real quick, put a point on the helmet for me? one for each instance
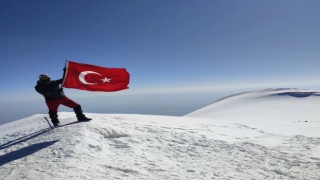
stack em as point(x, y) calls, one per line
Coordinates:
point(44, 77)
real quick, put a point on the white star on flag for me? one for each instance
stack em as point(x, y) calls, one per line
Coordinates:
point(105, 80)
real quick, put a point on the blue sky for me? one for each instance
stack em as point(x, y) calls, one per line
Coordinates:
point(184, 51)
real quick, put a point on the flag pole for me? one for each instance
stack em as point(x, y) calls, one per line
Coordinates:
point(65, 69)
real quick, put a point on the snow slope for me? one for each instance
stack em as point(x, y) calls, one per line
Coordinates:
point(118, 146)
point(282, 111)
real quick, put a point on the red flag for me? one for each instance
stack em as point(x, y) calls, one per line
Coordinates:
point(95, 78)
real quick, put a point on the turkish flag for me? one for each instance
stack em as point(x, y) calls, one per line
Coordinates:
point(95, 78)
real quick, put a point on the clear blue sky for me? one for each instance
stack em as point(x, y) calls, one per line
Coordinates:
point(180, 46)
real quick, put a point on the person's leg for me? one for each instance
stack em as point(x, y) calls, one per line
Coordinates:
point(69, 103)
point(77, 109)
point(53, 111)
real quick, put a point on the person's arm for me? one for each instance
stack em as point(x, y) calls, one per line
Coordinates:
point(38, 89)
point(59, 81)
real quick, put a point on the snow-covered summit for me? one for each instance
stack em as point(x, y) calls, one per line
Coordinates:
point(266, 94)
point(288, 111)
point(119, 146)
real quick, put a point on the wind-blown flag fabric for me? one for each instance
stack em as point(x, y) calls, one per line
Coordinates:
point(95, 78)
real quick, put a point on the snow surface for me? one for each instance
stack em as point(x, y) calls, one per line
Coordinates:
point(253, 135)
point(282, 111)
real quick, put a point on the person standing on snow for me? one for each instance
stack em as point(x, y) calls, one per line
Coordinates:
point(54, 96)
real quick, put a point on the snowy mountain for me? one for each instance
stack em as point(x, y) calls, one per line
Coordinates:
point(283, 111)
point(253, 135)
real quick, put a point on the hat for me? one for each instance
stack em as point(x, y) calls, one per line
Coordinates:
point(44, 76)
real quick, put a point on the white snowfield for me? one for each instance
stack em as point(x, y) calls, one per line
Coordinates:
point(270, 134)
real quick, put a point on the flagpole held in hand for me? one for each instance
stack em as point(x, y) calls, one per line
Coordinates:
point(64, 72)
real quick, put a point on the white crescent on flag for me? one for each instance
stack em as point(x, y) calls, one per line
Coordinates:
point(83, 74)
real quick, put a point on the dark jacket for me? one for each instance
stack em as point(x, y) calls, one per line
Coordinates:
point(51, 90)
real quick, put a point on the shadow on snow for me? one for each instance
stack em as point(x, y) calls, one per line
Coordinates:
point(26, 151)
point(23, 139)
point(298, 94)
